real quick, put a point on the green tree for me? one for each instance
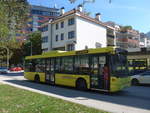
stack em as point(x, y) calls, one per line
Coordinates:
point(13, 16)
point(3, 24)
point(33, 44)
point(125, 28)
point(17, 14)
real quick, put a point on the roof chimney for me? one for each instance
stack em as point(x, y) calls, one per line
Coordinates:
point(80, 8)
point(98, 16)
point(62, 10)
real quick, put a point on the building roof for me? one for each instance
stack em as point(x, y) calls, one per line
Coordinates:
point(82, 15)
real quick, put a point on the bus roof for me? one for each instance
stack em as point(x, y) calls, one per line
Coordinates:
point(71, 53)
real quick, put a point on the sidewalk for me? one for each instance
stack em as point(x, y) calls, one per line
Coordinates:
point(77, 96)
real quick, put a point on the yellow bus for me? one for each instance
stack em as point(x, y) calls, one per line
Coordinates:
point(104, 69)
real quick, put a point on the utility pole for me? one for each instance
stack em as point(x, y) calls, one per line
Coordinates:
point(115, 38)
point(31, 48)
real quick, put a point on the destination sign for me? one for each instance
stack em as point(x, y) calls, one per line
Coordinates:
point(81, 52)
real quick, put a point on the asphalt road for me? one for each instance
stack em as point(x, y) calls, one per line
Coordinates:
point(135, 99)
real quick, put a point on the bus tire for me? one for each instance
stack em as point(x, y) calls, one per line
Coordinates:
point(37, 78)
point(81, 84)
point(135, 82)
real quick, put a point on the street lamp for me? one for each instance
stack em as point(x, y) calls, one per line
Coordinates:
point(115, 37)
point(31, 48)
point(7, 57)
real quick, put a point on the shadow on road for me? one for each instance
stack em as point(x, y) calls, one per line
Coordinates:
point(14, 74)
point(134, 96)
point(145, 85)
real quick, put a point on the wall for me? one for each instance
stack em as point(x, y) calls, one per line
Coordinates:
point(47, 33)
point(88, 33)
point(65, 30)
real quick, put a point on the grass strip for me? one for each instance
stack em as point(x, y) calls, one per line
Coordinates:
point(15, 100)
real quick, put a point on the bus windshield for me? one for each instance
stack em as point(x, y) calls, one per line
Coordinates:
point(119, 65)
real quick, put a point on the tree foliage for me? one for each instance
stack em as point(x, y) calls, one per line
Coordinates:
point(34, 41)
point(13, 16)
point(25, 49)
point(3, 23)
point(16, 12)
point(125, 28)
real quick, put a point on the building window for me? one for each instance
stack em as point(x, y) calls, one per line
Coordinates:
point(71, 34)
point(56, 38)
point(44, 29)
point(41, 18)
point(62, 36)
point(45, 39)
point(31, 22)
point(62, 24)
point(71, 21)
point(57, 26)
point(70, 47)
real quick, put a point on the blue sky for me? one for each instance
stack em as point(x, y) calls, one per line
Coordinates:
point(124, 12)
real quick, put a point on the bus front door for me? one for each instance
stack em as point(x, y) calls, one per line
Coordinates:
point(49, 73)
point(97, 78)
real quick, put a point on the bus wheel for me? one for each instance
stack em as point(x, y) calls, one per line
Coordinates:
point(37, 78)
point(135, 82)
point(81, 84)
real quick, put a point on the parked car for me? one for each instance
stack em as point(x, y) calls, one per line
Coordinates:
point(15, 69)
point(142, 78)
point(3, 70)
point(137, 71)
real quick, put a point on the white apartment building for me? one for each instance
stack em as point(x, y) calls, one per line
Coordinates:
point(74, 30)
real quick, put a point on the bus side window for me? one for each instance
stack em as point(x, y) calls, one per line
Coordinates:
point(29, 65)
point(82, 64)
point(52, 64)
point(67, 64)
point(102, 62)
point(57, 65)
point(48, 64)
point(40, 65)
point(32, 66)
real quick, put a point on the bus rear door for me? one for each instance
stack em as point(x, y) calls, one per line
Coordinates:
point(97, 75)
point(49, 73)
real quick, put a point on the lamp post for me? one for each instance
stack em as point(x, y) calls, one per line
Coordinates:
point(31, 48)
point(7, 57)
point(115, 38)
